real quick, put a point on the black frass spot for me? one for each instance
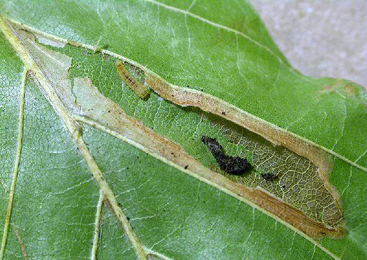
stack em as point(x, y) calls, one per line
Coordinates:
point(232, 165)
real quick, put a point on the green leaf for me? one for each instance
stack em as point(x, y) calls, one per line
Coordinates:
point(91, 170)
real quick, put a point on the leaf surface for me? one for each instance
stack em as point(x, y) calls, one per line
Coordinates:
point(91, 170)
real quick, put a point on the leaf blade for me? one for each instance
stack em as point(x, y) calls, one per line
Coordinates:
point(335, 95)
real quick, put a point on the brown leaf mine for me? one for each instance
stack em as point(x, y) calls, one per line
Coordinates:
point(293, 187)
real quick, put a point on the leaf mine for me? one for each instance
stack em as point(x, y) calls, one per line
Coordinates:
point(299, 196)
point(117, 123)
point(103, 114)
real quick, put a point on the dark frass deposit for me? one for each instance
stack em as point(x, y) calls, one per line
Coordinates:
point(229, 164)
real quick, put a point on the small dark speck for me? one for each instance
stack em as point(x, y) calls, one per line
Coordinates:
point(223, 113)
point(269, 176)
point(128, 218)
point(186, 167)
